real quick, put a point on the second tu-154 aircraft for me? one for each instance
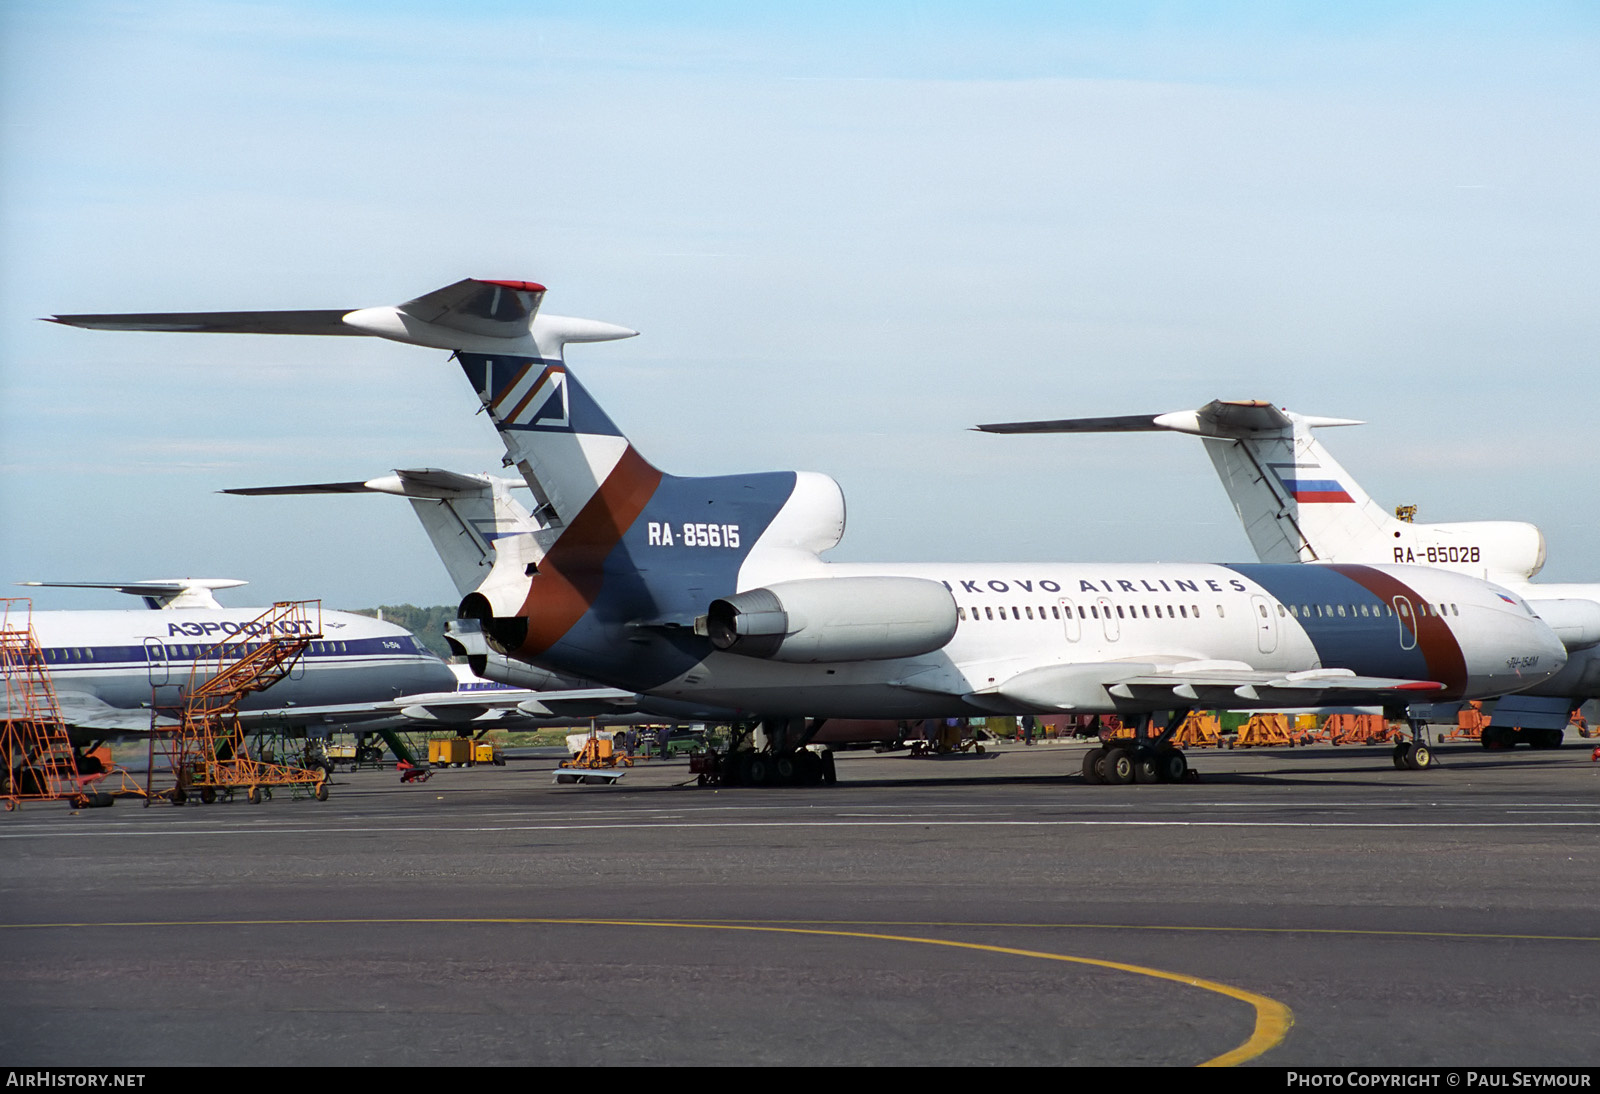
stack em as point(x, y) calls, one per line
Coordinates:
point(1298, 504)
point(713, 589)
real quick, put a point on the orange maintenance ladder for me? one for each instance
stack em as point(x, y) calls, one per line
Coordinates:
point(39, 764)
point(207, 752)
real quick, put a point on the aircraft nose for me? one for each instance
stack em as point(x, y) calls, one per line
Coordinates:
point(1543, 654)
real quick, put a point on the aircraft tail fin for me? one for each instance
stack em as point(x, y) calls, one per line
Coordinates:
point(1297, 504)
point(467, 517)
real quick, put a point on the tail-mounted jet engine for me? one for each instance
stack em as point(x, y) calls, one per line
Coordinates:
point(834, 619)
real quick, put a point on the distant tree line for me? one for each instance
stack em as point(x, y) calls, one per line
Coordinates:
point(426, 623)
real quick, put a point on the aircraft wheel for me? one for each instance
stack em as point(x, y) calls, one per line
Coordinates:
point(755, 769)
point(809, 765)
point(1495, 737)
point(1118, 766)
point(1146, 766)
point(1419, 757)
point(321, 793)
point(1091, 764)
point(253, 795)
point(830, 774)
point(1172, 765)
point(783, 770)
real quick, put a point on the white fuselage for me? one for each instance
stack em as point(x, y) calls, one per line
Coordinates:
point(109, 667)
point(1016, 618)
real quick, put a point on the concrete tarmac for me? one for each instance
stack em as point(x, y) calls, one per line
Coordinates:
point(1308, 906)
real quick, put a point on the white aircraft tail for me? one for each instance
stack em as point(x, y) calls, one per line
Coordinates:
point(1297, 504)
point(471, 519)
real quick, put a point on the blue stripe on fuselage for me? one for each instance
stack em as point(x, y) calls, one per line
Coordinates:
point(653, 576)
point(1369, 645)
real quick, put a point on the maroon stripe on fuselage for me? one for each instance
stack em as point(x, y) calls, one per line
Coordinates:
point(1441, 651)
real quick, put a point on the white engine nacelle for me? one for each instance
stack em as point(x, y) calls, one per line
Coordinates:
point(834, 619)
point(1576, 622)
point(1495, 547)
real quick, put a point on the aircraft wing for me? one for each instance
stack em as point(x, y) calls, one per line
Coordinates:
point(83, 711)
point(1202, 683)
point(467, 706)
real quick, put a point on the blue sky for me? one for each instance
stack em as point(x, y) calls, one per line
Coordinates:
point(846, 236)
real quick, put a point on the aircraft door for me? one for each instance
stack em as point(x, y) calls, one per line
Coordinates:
point(1108, 619)
point(1266, 624)
point(1070, 620)
point(1407, 619)
point(155, 655)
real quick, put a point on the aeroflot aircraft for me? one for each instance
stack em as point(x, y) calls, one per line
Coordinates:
point(1298, 504)
point(713, 589)
point(107, 665)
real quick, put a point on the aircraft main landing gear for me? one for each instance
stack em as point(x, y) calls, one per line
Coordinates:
point(1120, 762)
point(1141, 759)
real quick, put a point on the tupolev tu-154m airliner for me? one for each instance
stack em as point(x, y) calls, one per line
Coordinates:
point(714, 590)
point(1298, 504)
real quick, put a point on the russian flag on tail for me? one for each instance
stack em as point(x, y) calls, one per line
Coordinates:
point(1316, 490)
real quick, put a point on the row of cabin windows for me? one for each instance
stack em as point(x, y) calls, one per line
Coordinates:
point(1182, 611)
point(68, 654)
point(1361, 611)
point(1299, 611)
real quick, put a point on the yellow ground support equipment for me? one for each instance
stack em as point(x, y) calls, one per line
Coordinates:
point(1356, 729)
point(39, 764)
point(449, 751)
point(948, 740)
point(1201, 729)
point(1471, 721)
point(1269, 729)
point(596, 762)
point(208, 753)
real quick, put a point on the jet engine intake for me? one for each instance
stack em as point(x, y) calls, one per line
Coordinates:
point(834, 619)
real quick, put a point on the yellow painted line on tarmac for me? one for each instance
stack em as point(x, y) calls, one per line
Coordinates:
point(1272, 1022)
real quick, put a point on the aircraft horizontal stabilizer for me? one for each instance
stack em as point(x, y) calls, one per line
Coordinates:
point(426, 482)
point(1218, 418)
point(218, 322)
point(472, 314)
point(168, 592)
